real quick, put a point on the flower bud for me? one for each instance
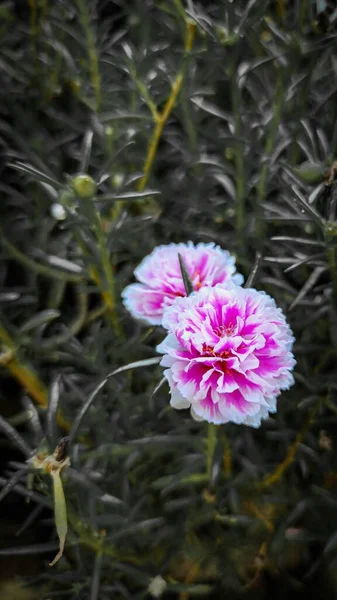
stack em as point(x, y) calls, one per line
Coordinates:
point(84, 186)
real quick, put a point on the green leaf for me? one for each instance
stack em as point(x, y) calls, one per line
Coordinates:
point(185, 275)
point(42, 318)
point(36, 174)
point(60, 512)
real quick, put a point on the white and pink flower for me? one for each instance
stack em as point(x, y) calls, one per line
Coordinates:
point(160, 279)
point(228, 353)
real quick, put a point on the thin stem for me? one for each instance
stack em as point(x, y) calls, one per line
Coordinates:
point(26, 376)
point(162, 117)
point(239, 160)
point(269, 145)
point(276, 475)
point(107, 290)
point(107, 287)
point(210, 449)
point(145, 93)
point(92, 51)
point(331, 256)
point(179, 6)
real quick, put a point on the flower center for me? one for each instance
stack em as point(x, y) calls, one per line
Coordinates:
point(209, 351)
point(223, 330)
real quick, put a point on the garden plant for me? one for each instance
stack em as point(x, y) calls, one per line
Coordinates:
point(168, 299)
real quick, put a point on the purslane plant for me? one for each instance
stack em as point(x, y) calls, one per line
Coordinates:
point(226, 111)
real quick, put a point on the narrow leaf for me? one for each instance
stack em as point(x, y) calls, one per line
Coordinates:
point(26, 493)
point(309, 284)
point(129, 195)
point(60, 263)
point(185, 275)
point(60, 511)
point(36, 174)
point(13, 435)
point(158, 386)
point(42, 318)
point(12, 483)
point(28, 550)
point(308, 259)
point(86, 150)
point(252, 277)
point(210, 108)
point(296, 240)
point(308, 208)
point(96, 576)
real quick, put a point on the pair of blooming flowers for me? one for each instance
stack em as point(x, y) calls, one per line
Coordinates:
point(228, 350)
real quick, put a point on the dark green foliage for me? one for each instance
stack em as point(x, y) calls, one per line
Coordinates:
point(245, 157)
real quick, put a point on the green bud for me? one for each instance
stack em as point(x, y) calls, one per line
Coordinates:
point(109, 131)
point(229, 153)
point(308, 228)
point(117, 180)
point(84, 186)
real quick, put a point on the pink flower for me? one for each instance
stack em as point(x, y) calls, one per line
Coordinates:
point(228, 354)
point(161, 281)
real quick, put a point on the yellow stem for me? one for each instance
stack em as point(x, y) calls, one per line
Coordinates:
point(22, 373)
point(259, 514)
point(272, 478)
point(108, 299)
point(27, 377)
point(29, 381)
point(160, 119)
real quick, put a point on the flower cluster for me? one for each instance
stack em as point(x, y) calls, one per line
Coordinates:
point(228, 350)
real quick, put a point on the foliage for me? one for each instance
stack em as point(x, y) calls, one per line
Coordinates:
point(131, 124)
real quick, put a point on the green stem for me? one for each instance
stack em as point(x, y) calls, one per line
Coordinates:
point(239, 160)
point(331, 254)
point(281, 469)
point(210, 448)
point(92, 51)
point(332, 261)
point(161, 119)
point(269, 145)
point(109, 283)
